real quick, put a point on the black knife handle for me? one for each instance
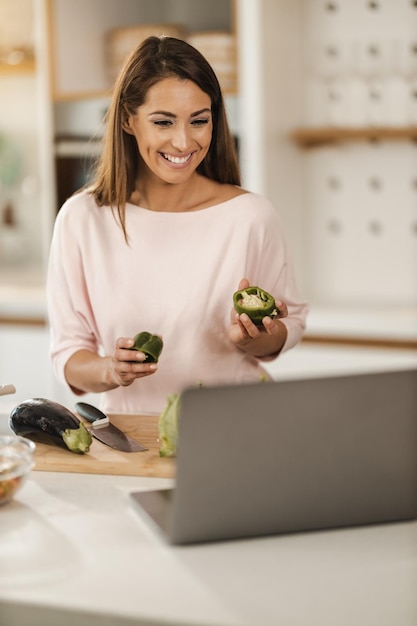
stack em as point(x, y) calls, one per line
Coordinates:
point(90, 412)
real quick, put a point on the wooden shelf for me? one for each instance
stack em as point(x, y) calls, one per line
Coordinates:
point(27, 67)
point(315, 136)
point(360, 342)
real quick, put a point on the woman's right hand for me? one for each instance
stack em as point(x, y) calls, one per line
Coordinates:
point(127, 365)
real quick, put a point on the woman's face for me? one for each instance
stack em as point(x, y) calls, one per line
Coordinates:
point(173, 129)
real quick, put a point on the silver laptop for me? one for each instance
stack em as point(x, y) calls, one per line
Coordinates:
point(290, 456)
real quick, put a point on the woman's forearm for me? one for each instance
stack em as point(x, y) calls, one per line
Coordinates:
point(88, 372)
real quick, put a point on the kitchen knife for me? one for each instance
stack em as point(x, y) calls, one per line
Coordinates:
point(104, 431)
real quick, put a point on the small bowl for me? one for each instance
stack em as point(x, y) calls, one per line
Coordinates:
point(16, 462)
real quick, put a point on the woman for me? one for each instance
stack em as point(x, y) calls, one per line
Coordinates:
point(159, 243)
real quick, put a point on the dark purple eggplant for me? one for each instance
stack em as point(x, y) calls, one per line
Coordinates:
point(48, 422)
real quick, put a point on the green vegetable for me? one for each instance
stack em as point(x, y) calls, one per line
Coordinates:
point(256, 303)
point(150, 345)
point(49, 422)
point(168, 426)
point(77, 439)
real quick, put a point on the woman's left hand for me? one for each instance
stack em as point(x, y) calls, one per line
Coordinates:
point(263, 341)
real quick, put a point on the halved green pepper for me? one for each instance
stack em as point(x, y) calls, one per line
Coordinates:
point(256, 303)
point(150, 345)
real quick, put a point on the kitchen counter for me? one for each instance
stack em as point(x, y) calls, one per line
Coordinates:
point(22, 305)
point(74, 550)
point(394, 324)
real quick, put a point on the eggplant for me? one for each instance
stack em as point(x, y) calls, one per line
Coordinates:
point(48, 422)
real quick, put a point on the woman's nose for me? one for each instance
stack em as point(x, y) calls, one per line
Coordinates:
point(180, 139)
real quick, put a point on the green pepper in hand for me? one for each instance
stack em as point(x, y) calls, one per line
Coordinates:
point(150, 345)
point(256, 303)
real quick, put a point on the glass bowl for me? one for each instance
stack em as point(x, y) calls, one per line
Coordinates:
point(16, 462)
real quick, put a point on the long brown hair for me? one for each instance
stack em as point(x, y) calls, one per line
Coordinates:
point(155, 59)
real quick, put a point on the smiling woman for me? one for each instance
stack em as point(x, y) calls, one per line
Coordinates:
point(167, 234)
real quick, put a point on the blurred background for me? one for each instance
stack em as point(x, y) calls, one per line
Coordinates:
point(322, 101)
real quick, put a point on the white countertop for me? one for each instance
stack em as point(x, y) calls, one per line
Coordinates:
point(21, 303)
point(75, 551)
point(74, 542)
point(311, 360)
point(369, 322)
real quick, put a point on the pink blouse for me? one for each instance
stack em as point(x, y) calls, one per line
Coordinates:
point(175, 278)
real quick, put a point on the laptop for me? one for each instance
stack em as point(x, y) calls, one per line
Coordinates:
point(289, 456)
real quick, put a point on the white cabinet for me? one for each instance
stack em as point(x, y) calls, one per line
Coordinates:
point(25, 363)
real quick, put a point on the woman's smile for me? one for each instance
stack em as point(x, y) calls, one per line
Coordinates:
point(177, 160)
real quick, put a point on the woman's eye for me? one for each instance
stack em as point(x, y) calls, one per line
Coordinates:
point(162, 123)
point(167, 123)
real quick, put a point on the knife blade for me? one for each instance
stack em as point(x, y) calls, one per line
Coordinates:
point(104, 431)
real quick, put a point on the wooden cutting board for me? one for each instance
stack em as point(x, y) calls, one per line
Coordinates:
point(102, 459)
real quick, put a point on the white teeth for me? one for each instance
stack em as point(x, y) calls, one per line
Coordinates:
point(177, 160)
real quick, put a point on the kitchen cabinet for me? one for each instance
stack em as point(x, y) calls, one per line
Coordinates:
point(25, 363)
point(23, 67)
point(349, 208)
point(16, 37)
point(78, 67)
